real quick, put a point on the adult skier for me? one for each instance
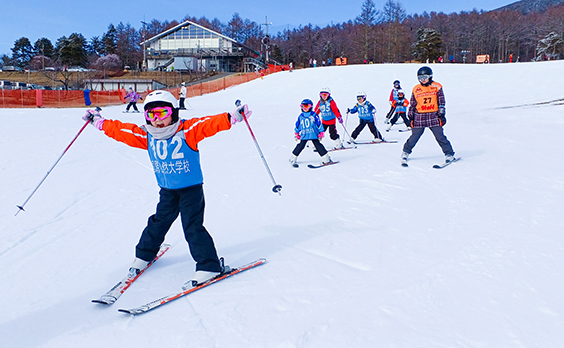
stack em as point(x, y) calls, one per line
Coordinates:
point(182, 96)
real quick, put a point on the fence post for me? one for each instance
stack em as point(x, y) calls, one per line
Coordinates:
point(39, 98)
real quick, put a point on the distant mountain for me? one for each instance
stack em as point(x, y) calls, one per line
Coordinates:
point(529, 6)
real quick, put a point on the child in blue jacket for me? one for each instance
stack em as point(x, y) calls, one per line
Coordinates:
point(400, 106)
point(309, 127)
point(366, 113)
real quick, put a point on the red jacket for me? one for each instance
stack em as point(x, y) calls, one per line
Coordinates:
point(328, 115)
point(195, 130)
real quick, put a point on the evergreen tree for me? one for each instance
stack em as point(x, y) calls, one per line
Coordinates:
point(109, 40)
point(96, 46)
point(428, 45)
point(5, 60)
point(550, 47)
point(22, 52)
point(44, 47)
point(71, 51)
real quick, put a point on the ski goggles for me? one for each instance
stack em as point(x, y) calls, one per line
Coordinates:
point(160, 113)
point(324, 94)
point(361, 98)
point(423, 77)
point(306, 107)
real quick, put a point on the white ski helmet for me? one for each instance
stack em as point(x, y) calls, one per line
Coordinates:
point(361, 94)
point(160, 96)
point(325, 90)
point(401, 91)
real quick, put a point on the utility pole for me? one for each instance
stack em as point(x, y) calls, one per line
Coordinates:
point(266, 38)
point(144, 53)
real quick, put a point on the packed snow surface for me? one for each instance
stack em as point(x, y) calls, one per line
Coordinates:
point(364, 253)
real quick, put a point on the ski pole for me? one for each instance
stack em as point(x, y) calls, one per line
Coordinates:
point(21, 207)
point(277, 187)
point(352, 141)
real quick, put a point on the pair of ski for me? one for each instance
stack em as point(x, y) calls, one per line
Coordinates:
point(314, 166)
point(362, 143)
point(435, 166)
point(400, 130)
point(115, 293)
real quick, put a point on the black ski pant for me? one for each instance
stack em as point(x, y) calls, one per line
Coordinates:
point(332, 131)
point(189, 203)
point(181, 103)
point(371, 125)
point(416, 133)
point(302, 144)
point(134, 104)
point(403, 116)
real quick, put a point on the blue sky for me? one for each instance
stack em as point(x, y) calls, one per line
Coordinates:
point(37, 18)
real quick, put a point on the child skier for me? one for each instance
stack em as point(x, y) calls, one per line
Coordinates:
point(400, 106)
point(327, 109)
point(309, 127)
point(172, 144)
point(427, 110)
point(366, 113)
point(393, 96)
point(133, 97)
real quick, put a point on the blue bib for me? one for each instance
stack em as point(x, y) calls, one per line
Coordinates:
point(175, 164)
point(325, 111)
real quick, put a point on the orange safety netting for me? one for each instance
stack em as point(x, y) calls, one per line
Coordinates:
point(63, 99)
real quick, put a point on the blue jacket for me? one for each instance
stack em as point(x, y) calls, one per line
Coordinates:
point(308, 126)
point(401, 105)
point(365, 112)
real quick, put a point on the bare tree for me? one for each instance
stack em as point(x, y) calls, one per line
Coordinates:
point(393, 16)
point(367, 20)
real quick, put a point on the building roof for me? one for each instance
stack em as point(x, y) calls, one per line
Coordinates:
point(122, 80)
point(184, 24)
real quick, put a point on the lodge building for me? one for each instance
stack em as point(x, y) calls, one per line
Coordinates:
point(190, 46)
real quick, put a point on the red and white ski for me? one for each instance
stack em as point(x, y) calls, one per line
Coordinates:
point(114, 293)
point(164, 300)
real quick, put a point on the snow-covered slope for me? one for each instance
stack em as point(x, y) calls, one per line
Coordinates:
point(361, 254)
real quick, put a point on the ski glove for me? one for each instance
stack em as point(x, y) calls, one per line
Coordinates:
point(442, 114)
point(237, 114)
point(297, 136)
point(95, 118)
point(340, 119)
point(321, 135)
point(442, 111)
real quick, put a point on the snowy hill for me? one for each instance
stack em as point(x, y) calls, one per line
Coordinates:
point(364, 253)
